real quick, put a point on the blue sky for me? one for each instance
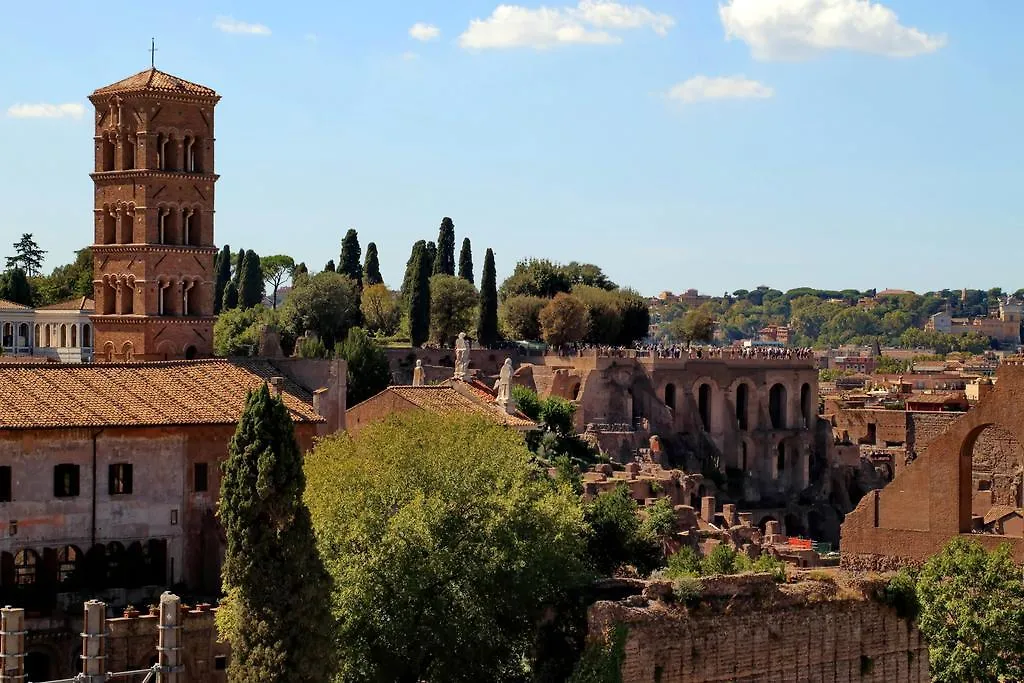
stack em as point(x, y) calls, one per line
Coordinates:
point(676, 143)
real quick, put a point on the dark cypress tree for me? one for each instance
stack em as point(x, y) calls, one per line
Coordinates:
point(330, 266)
point(487, 326)
point(371, 272)
point(431, 256)
point(238, 267)
point(280, 629)
point(230, 297)
point(466, 261)
point(410, 269)
point(419, 300)
point(223, 268)
point(368, 369)
point(14, 286)
point(351, 257)
point(444, 263)
point(251, 289)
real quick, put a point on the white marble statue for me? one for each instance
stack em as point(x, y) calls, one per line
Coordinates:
point(461, 356)
point(417, 374)
point(505, 399)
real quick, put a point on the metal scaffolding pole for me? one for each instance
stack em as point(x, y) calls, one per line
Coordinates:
point(94, 646)
point(169, 644)
point(12, 645)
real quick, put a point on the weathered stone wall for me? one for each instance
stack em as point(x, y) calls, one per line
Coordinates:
point(835, 641)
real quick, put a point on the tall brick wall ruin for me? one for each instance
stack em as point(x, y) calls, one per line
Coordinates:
point(835, 641)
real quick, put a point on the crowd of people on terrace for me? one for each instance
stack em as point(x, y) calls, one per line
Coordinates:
point(691, 352)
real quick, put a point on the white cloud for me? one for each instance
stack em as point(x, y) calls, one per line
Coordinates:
point(794, 29)
point(229, 25)
point(544, 27)
point(424, 32)
point(70, 110)
point(700, 88)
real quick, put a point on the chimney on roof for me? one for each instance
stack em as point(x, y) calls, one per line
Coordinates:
point(275, 385)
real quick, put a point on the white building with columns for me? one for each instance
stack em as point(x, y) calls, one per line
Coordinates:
point(60, 331)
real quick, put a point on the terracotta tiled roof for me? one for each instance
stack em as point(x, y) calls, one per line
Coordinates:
point(6, 305)
point(997, 512)
point(445, 400)
point(82, 303)
point(138, 394)
point(152, 79)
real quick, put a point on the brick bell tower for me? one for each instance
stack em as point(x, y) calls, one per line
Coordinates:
point(153, 252)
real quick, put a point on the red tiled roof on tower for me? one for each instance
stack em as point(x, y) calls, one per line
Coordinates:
point(152, 79)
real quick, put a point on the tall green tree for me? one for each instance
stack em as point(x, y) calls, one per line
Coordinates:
point(452, 304)
point(223, 277)
point(236, 263)
point(230, 297)
point(972, 614)
point(70, 281)
point(329, 267)
point(368, 370)
point(27, 256)
point(466, 261)
point(281, 629)
point(14, 286)
point(250, 285)
point(351, 257)
point(325, 304)
point(431, 255)
point(410, 270)
point(471, 564)
point(487, 325)
point(371, 270)
point(419, 300)
point(564, 320)
point(277, 268)
point(444, 264)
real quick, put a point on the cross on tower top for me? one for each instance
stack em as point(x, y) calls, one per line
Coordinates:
point(152, 53)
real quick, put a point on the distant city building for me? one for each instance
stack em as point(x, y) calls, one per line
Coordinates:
point(1003, 326)
point(60, 332)
point(775, 333)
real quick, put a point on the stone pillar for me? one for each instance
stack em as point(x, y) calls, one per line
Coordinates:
point(746, 518)
point(771, 528)
point(94, 646)
point(12, 645)
point(169, 644)
point(707, 509)
point(729, 512)
point(632, 469)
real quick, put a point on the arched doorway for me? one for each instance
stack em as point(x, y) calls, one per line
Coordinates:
point(780, 460)
point(794, 525)
point(742, 406)
point(777, 406)
point(670, 395)
point(992, 461)
point(805, 405)
point(704, 406)
point(38, 666)
point(190, 352)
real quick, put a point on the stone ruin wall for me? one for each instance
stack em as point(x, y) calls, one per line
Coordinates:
point(836, 641)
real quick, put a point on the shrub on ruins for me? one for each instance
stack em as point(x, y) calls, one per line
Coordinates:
point(520, 317)
point(237, 331)
point(618, 541)
point(276, 613)
point(556, 439)
point(326, 304)
point(446, 545)
point(563, 320)
point(368, 369)
point(972, 613)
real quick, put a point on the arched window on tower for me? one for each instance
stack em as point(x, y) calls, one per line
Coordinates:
point(106, 154)
point(189, 146)
point(127, 298)
point(109, 297)
point(129, 351)
point(189, 298)
point(164, 306)
point(129, 152)
point(109, 219)
point(188, 226)
point(161, 151)
point(195, 228)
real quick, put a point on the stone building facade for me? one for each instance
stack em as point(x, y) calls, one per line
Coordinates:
point(153, 249)
point(61, 331)
point(110, 473)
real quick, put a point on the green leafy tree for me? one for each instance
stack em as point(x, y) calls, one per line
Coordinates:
point(487, 323)
point(368, 369)
point(564, 320)
point(520, 317)
point(351, 257)
point(696, 326)
point(70, 281)
point(237, 331)
point(14, 286)
point(371, 270)
point(325, 304)
point(250, 285)
point(381, 310)
point(535, 277)
point(276, 271)
point(452, 304)
point(27, 256)
point(587, 274)
point(466, 261)
point(279, 629)
point(230, 300)
point(223, 277)
point(617, 537)
point(635, 317)
point(300, 273)
point(603, 320)
point(448, 517)
point(329, 267)
point(444, 264)
point(972, 614)
point(419, 299)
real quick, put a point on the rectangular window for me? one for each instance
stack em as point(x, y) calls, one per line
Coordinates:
point(5, 484)
point(119, 478)
point(65, 481)
point(201, 482)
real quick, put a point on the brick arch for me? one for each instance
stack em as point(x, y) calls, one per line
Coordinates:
point(708, 415)
point(753, 401)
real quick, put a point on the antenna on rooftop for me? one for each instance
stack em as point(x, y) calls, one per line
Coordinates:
point(152, 53)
